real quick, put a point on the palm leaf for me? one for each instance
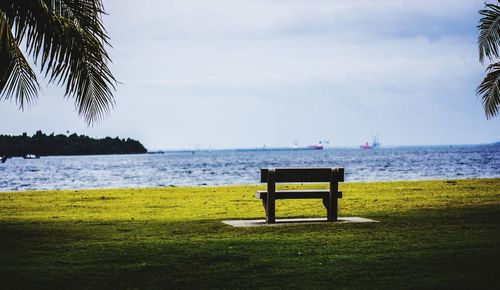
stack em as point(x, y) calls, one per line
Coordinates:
point(490, 90)
point(16, 76)
point(67, 39)
point(489, 32)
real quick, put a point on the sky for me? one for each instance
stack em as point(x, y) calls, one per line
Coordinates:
point(253, 73)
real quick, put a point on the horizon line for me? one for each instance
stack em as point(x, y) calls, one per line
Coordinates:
point(277, 148)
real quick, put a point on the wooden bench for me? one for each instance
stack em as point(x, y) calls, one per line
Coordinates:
point(301, 175)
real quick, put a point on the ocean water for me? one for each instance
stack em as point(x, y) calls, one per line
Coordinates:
point(233, 167)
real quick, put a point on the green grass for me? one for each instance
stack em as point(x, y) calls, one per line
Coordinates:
point(432, 234)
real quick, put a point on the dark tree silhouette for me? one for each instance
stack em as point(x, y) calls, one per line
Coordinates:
point(42, 144)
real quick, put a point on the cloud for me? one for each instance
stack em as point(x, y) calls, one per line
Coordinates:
point(215, 73)
point(351, 59)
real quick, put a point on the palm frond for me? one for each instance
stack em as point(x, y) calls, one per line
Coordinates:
point(489, 32)
point(17, 79)
point(68, 39)
point(490, 90)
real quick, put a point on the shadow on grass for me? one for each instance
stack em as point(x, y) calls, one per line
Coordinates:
point(455, 248)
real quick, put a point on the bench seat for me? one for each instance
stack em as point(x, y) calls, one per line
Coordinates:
point(294, 194)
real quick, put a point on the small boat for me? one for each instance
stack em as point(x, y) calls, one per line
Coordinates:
point(375, 144)
point(365, 146)
point(31, 156)
point(3, 159)
point(155, 152)
point(315, 147)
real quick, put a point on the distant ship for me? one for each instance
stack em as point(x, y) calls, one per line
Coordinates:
point(3, 159)
point(315, 147)
point(31, 156)
point(375, 144)
point(365, 146)
point(318, 146)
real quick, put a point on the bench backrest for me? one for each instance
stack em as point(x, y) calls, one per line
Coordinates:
point(304, 174)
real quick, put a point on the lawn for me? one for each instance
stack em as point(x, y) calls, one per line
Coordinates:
point(431, 234)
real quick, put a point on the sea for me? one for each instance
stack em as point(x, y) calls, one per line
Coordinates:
point(238, 167)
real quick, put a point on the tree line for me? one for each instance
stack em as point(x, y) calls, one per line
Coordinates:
point(74, 144)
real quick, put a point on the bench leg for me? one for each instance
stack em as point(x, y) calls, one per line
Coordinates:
point(331, 214)
point(270, 210)
point(331, 209)
point(271, 190)
point(332, 197)
point(270, 214)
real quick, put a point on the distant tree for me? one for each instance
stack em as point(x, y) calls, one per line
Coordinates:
point(74, 144)
point(67, 39)
point(488, 44)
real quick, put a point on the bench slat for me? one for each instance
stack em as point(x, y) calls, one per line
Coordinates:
point(302, 174)
point(292, 194)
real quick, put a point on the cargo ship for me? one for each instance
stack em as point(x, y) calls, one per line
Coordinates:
point(318, 146)
point(315, 147)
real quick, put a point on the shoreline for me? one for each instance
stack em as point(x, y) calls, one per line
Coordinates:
point(240, 185)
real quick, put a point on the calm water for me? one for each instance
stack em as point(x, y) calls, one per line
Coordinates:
point(242, 167)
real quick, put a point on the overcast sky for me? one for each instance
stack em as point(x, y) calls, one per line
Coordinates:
point(237, 73)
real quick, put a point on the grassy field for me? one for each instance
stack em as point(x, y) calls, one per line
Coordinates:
point(432, 234)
